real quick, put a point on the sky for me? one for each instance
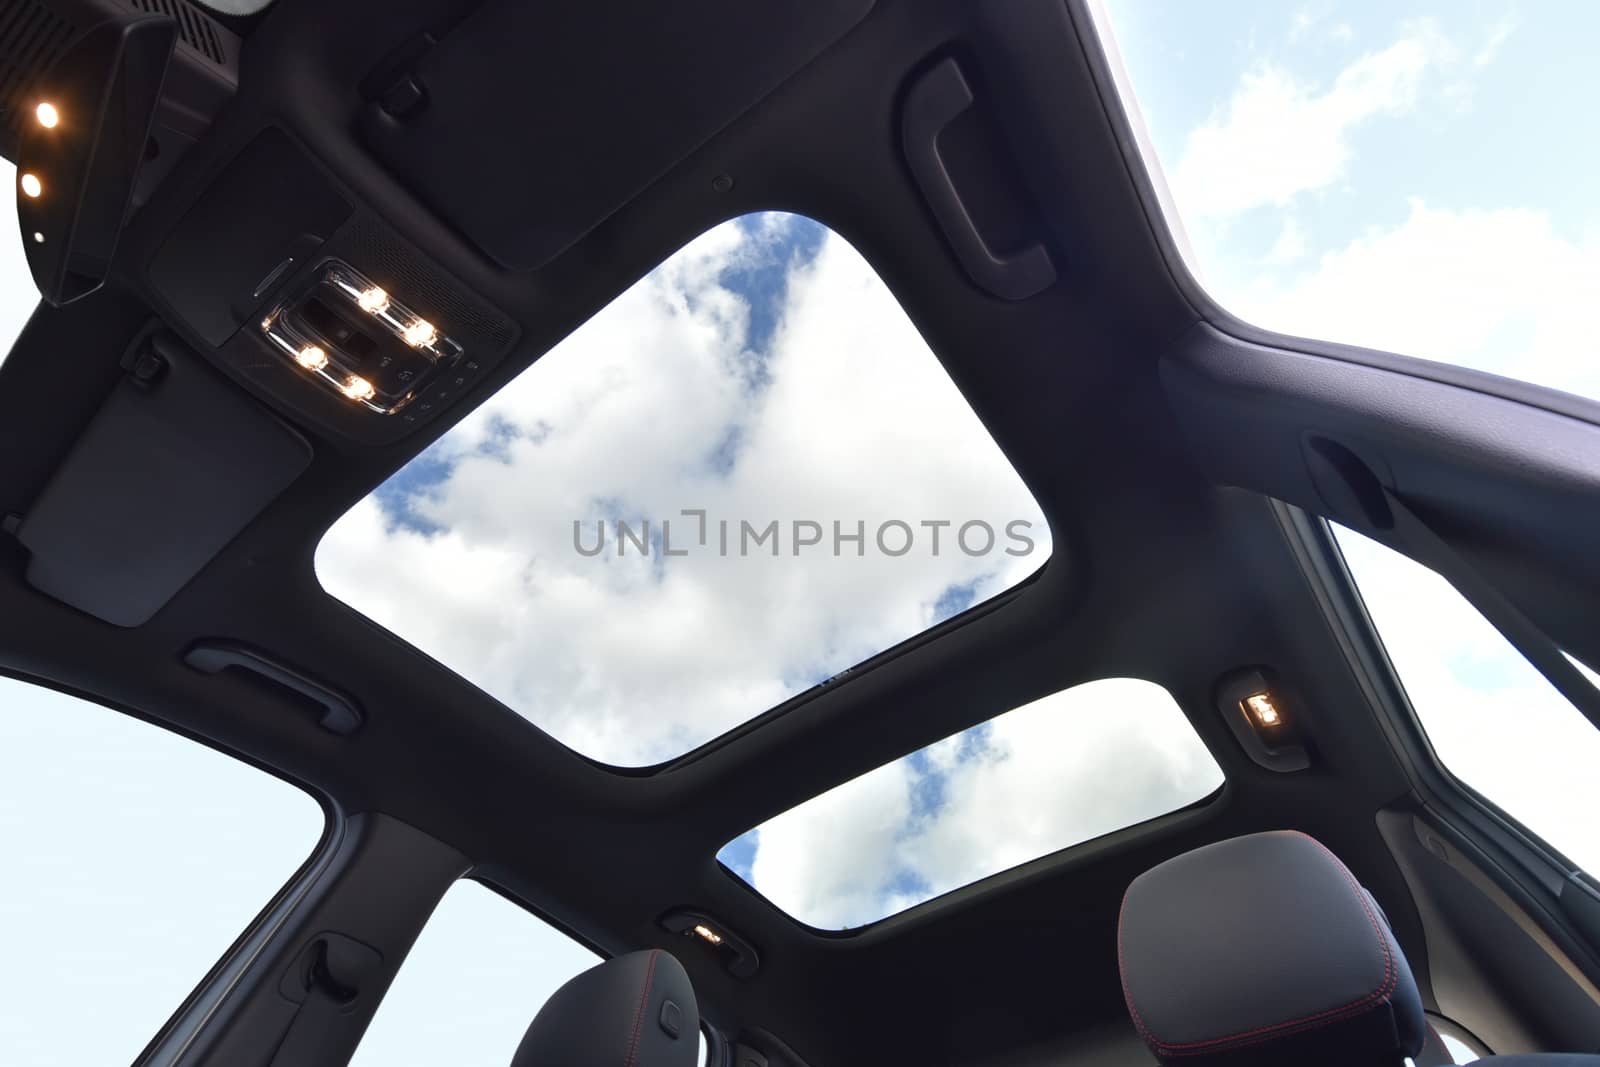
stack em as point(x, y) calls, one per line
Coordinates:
point(1057, 772)
point(1415, 177)
point(135, 857)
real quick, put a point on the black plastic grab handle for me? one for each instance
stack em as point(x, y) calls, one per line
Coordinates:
point(932, 104)
point(340, 714)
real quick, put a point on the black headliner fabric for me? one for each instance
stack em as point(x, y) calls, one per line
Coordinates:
point(618, 1013)
point(1264, 949)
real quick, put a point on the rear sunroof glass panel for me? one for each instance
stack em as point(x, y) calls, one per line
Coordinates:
point(799, 486)
point(1065, 769)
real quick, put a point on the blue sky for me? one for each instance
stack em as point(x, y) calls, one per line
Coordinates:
point(1499, 118)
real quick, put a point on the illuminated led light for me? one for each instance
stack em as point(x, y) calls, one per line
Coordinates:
point(705, 933)
point(420, 334)
point(312, 357)
point(47, 115)
point(38, 238)
point(31, 185)
point(377, 352)
point(357, 388)
point(1262, 710)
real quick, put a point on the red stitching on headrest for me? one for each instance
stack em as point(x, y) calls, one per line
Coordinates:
point(1292, 1026)
point(638, 1015)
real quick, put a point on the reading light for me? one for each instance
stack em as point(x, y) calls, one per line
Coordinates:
point(38, 238)
point(31, 185)
point(420, 334)
point(1262, 711)
point(312, 357)
point(351, 336)
point(357, 388)
point(47, 115)
point(705, 933)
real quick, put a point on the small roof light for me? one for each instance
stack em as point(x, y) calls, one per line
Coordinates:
point(1264, 714)
point(372, 300)
point(705, 933)
point(47, 115)
point(32, 186)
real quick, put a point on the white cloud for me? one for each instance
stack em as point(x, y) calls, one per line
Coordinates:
point(832, 861)
point(1278, 137)
point(1496, 38)
point(1070, 767)
point(634, 660)
point(1310, 17)
point(1500, 290)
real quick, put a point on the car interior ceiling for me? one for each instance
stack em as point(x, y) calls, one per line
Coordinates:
point(1183, 459)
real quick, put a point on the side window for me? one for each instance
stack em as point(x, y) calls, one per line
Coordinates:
point(483, 963)
point(134, 858)
point(1460, 1051)
point(1495, 722)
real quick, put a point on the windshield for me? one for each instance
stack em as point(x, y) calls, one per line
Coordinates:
point(1415, 177)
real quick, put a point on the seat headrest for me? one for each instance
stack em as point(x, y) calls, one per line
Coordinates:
point(1265, 950)
point(636, 1010)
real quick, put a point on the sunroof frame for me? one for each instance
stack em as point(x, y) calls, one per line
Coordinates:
point(1186, 816)
point(1041, 531)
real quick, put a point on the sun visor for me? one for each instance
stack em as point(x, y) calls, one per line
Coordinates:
point(176, 462)
point(526, 125)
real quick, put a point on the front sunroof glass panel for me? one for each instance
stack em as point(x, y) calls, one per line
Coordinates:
point(1070, 767)
point(745, 475)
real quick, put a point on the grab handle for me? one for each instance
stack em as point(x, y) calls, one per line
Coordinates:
point(935, 101)
point(340, 714)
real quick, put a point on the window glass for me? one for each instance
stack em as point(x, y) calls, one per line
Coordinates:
point(134, 859)
point(1460, 1051)
point(1493, 719)
point(1073, 766)
point(1407, 176)
point(479, 972)
point(18, 296)
point(745, 475)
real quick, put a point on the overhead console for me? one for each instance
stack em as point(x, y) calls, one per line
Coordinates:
point(526, 192)
point(318, 304)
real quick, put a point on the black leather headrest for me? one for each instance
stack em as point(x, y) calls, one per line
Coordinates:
point(636, 1010)
point(1265, 950)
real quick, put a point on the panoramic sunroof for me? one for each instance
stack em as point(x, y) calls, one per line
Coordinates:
point(1072, 766)
point(1399, 176)
point(745, 475)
